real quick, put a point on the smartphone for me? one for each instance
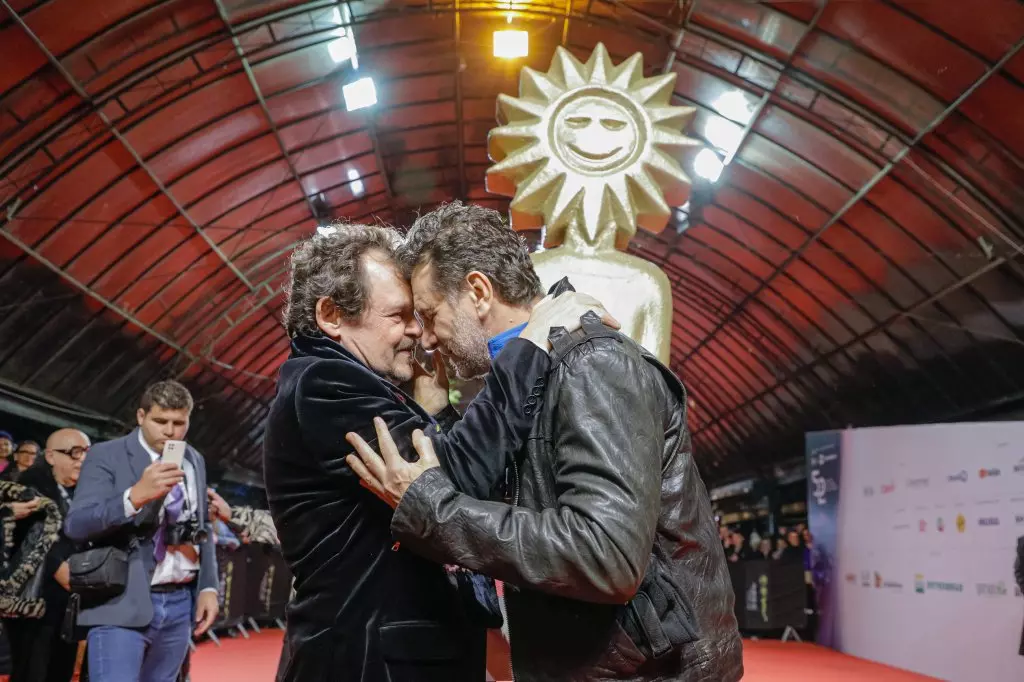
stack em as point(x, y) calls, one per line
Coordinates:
point(174, 452)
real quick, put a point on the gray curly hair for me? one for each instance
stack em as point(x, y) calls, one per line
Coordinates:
point(459, 238)
point(330, 264)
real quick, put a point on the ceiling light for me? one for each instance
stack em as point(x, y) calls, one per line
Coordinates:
point(354, 182)
point(511, 44)
point(359, 94)
point(722, 134)
point(708, 165)
point(734, 105)
point(342, 49)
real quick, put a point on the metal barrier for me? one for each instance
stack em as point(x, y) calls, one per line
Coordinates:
point(254, 588)
point(769, 595)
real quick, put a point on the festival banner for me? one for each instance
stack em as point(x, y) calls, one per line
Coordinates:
point(824, 450)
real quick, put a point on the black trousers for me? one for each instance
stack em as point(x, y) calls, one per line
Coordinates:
point(38, 654)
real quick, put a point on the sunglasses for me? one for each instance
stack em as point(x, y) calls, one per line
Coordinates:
point(73, 453)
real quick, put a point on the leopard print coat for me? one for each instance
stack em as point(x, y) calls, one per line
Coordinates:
point(19, 564)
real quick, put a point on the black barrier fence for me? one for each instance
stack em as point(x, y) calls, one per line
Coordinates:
point(254, 583)
point(769, 595)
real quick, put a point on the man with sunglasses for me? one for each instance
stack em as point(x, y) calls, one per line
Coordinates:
point(38, 652)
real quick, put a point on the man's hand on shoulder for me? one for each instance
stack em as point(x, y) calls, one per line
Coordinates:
point(157, 480)
point(388, 477)
point(564, 310)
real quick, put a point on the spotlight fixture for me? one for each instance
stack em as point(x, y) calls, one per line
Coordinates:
point(359, 94)
point(343, 48)
point(355, 183)
point(707, 165)
point(509, 44)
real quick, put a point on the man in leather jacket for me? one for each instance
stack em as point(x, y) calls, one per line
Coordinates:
point(366, 609)
point(607, 543)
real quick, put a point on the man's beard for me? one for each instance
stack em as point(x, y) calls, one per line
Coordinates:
point(466, 352)
point(400, 373)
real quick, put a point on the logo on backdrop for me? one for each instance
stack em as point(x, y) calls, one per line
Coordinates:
point(822, 486)
point(940, 526)
point(888, 488)
point(992, 589)
point(1018, 468)
point(822, 459)
point(887, 584)
point(865, 578)
point(901, 526)
point(988, 521)
point(960, 476)
point(1018, 519)
point(921, 585)
point(851, 578)
point(922, 525)
point(961, 523)
point(917, 483)
point(869, 491)
point(988, 473)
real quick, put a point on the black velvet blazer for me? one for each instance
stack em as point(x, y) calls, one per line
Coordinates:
point(366, 609)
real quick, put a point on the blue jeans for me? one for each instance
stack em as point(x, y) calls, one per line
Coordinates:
point(150, 654)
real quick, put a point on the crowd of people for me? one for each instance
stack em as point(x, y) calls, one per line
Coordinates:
point(39, 486)
point(791, 545)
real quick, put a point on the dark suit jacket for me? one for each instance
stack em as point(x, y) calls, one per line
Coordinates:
point(97, 516)
point(40, 479)
point(364, 608)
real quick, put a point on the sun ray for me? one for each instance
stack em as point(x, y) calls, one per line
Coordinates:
point(508, 139)
point(516, 110)
point(503, 177)
point(671, 139)
point(675, 118)
point(599, 67)
point(652, 211)
point(567, 69)
point(655, 91)
point(629, 72)
point(533, 192)
point(537, 85)
point(564, 207)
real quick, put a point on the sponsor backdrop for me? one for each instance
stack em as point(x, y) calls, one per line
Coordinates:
point(915, 545)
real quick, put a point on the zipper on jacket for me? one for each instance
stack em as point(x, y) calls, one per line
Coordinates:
point(504, 604)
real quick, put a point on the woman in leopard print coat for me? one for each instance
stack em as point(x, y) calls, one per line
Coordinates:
point(22, 558)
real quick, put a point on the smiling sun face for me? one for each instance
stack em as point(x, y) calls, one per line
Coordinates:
point(590, 146)
point(596, 134)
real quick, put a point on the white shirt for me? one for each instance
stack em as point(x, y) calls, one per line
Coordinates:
point(176, 567)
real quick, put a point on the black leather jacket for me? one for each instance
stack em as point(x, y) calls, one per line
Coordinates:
point(609, 549)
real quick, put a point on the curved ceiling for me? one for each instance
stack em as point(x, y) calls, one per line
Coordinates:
point(858, 261)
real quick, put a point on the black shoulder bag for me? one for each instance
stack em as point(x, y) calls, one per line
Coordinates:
point(96, 575)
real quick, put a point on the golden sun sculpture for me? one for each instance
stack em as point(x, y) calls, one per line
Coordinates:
point(587, 151)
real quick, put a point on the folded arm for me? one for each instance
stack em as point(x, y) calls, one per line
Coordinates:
point(332, 400)
point(595, 544)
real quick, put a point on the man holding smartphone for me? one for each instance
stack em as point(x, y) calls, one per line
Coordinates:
point(146, 493)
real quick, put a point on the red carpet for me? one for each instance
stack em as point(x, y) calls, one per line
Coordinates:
point(255, 660)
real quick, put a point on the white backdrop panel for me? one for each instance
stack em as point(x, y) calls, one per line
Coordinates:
point(928, 521)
